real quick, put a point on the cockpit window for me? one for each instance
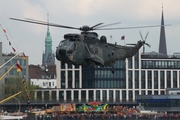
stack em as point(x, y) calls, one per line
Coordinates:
point(68, 45)
point(61, 43)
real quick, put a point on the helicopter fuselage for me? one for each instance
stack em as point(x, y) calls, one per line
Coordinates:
point(87, 49)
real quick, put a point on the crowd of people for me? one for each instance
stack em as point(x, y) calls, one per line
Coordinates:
point(113, 113)
point(109, 116)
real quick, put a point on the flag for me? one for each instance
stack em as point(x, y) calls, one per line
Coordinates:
point(14, 49)
point(18, 67)
point(4, 30)
point(123, 37)
point(27, 95)
point(24, 57)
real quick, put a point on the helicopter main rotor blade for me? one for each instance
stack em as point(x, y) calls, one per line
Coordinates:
point(131, 27)
point(35, 20)
point(44, 23)
point(108, 25)
point(96, 25)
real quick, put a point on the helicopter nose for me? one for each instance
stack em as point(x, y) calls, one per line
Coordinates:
point(60, 54)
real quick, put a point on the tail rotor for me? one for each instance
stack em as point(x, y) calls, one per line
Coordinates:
point(144, 40)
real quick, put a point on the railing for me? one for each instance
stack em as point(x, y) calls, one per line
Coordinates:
point(76, 101)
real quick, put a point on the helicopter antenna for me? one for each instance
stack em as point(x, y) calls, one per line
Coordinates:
point(143, 40)
point(111, 37)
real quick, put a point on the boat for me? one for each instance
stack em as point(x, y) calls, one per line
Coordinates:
point(8, 117)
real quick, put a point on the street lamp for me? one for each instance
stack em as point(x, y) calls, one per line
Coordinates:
point(19, 104)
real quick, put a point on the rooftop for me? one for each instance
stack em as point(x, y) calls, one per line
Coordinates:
point(42, 72)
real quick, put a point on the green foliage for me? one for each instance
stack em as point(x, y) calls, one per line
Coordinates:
point(14, 85)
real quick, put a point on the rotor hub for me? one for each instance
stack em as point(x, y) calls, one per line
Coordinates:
point(85, 28)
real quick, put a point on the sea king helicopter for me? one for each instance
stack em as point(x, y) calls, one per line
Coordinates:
point(87, 49)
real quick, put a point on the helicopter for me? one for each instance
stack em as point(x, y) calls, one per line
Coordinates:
point(87, 49)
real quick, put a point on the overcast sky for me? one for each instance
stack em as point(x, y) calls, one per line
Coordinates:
point(30, 38)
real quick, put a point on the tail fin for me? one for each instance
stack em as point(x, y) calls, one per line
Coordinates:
point(138, 46)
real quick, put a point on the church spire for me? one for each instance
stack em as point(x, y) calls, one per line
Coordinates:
point(162, 42)
point(48, 56)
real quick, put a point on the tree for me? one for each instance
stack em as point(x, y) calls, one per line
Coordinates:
point(16, 84)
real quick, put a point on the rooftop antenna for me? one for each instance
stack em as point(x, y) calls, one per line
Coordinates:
point(143, 40)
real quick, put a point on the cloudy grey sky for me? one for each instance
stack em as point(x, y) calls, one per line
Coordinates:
point(30, 38)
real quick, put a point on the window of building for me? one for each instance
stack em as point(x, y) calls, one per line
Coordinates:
point(149, 84)
point(62, 75)
point(130, 95)
point(117, 94)
point(143, 85)
point(76, 83)
point(178, 64)
point(174, 74)
point(98, 95)
point(69, 66)
point(24, 71)
point(136, 74)
point(122, 84)
point(24, 62)
point(162, 84)
point(83, 95)
point(162, 75)
point(168, 74)
point(149, 75)
point(149, 92)
point(129, 62)
point(104, 94)
point(174, 83)
point(136, 93)
point(143, 92)
point(168, 83)
point(143, 75)
point(69, 75)
point(130, 84)
point(123, 95)
point(8, 64)
point(5, 70)
point(111, 95)
point(130, 75)
point(136, 64)
point(155, 92)
point(155, 74)
point(155, 84)
point(136, 84)
point(162, 92)
point(63, 84)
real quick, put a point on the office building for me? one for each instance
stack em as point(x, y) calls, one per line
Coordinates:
point(6, 57)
